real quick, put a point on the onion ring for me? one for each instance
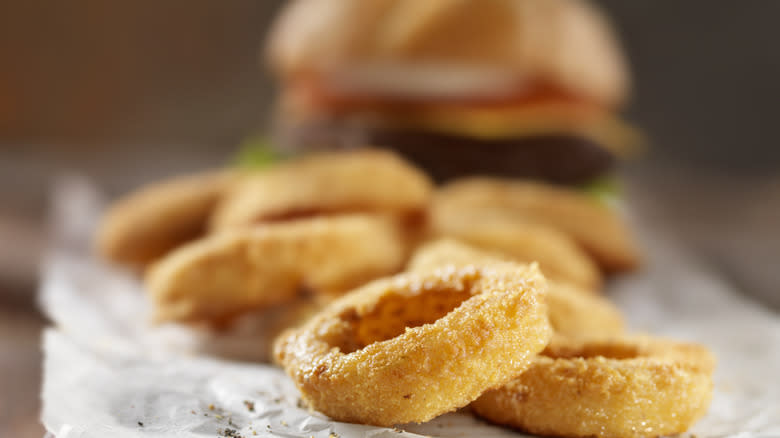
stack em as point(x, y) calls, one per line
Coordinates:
point(575, 313)
point(626, 387)
point(151, 221)
point(414, 346)
point(572, 311)
point(229, 273)
point(558, 255)
point(369, 180)
point(592, 224)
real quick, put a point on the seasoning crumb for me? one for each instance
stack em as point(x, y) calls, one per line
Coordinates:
point(254, 432)
point(249, 405)
point(211, 407)
point(140, 424)
point(300, 404)
point(218, 417)
point(333, 435)
point(230, 433)
point(284, 423)
point(193, 412)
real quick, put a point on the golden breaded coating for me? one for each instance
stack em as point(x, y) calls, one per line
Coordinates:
point(143, 226)
point(368, 180)
point(236, 271)
point(442, 252)
point(592, 224)
point(411, 347)
point(572, 311)
point(607, 388)
point(576, 313)
point(560, 258)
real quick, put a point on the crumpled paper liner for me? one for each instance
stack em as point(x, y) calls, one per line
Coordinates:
point(108, 373)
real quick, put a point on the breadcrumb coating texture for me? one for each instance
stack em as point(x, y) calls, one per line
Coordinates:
point(604, 387)
point(414, 346)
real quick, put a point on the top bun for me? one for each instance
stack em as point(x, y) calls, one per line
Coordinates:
point(450, 47)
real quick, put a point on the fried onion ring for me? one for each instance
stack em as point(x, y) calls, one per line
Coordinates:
point(626, 387)
point(153, 220)
point(369, 180)
point(411, 347)
point(592, 224)
point(229, 273)
point(572, 311)
point(558, 255)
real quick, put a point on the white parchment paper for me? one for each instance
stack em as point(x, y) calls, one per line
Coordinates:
point(107, 372)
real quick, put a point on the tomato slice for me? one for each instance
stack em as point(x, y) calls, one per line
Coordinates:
point(317, 93)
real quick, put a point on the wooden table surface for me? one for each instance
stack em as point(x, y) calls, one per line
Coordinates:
point(20, 365)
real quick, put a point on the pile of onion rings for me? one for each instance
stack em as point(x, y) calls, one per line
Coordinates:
point(317, 243)
point(225, 243)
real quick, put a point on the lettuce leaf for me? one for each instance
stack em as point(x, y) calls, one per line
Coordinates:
point(606, 189)
point(255, 153)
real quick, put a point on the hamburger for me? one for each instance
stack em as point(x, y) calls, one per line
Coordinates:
point(521, 88)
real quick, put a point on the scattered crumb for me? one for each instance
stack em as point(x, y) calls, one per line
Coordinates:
point(249, 405)
point(140, 424)
point(211, 407)
point(229, 433)
point(284, 423)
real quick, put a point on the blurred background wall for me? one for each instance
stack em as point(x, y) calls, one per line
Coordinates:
point(124, 92)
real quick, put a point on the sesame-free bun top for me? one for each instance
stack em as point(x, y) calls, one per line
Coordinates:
point(450, 48)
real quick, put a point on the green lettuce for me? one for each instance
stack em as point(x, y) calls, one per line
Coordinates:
point(606, 189)
point(255, 153)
